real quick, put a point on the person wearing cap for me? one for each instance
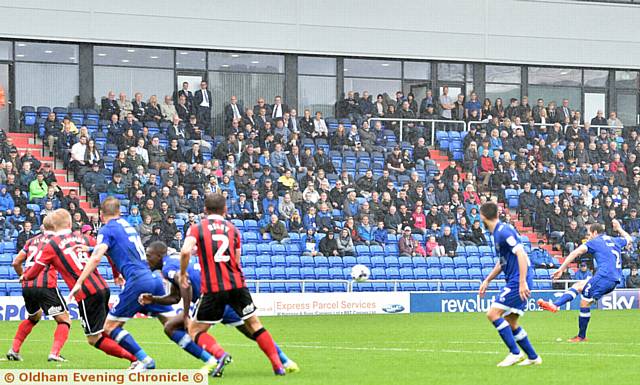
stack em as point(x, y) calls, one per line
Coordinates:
point(409, 246)
point(540, 257)
point(583, 272)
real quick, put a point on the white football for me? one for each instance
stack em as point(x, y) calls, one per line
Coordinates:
point(360, 273)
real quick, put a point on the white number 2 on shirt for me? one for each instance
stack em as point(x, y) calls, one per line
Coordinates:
point(221, 253)
point(618, 259)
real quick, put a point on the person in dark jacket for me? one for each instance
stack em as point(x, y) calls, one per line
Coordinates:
point(448, 241)
point(329, 246)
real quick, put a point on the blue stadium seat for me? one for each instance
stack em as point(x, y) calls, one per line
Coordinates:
point(337, 287)
point(461, 273)
point(475, 273)
point(407, 286)
point(446, 262)
point(250, 225)
point(321, 261)
point(335, 262)
point(377, 262)
point(433, 262)
point(335, 273)
point(392, 273)
point(307, 273)
point(486, 251)
point(293, 260)
point(278, 260)
point(420, 273)
point(249, 249)
point(307, 261)
point(278, 249)
point(447, 273)
point(263, 248)
point(249, 260)
point(250, 237)
point(487, 262)
point(405, 262)
point(460, 262)
point(377, 251)
point(349, 261)
point(391, 262)
point(263, 273)
point(378, 273)
point(292, 272)
point(434, 273)
point(263, 260)
point(406, 273)
point(362, 250)
point(293, 287)
point(278, 273)
point(419, 262)
point(364, 260)
point(474, 262)
point(238, 224)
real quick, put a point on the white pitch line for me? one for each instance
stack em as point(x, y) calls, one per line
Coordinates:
point(395, 349)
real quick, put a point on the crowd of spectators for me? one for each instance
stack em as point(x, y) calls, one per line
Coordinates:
point(275, 167)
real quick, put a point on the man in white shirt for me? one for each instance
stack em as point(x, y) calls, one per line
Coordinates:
point(77, 152)
point(446, 103)
point(202, 102)
point(278, 108)
point(168, 109)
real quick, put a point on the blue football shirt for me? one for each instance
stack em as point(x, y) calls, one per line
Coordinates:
point(171, 266)
point(607, 252)
point(506, 241)
point(124, 247)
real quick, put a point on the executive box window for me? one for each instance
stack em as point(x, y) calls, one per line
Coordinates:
point(627, 108)
point(133, 57)
point(193, 60)
point(6, 50)
point(502, 82)
point(453, 72)
point(627, 79)
point(245, 62)
point(555, 84)
point(46, 74)
point(596, 78)
point(316, 84)
point(374, 76)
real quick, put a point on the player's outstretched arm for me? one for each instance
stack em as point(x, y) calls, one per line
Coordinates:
point(523, 268)
point(578, 251)
point(170, 299)
point(98, 252)
point(618, 227)
point(485, 284)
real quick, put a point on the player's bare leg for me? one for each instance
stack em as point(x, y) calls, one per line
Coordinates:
point(265, 342)
point(522, 339)
point(504, 330)
point(24, 329)
point(114, 329)
point(60, 336)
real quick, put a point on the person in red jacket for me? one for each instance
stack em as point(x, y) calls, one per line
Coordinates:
point(486, 168)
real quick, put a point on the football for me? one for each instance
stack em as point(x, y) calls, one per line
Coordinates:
point(360, 273)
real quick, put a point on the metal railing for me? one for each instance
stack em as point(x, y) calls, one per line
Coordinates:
point(549, 125)
point(349, 283)
point(432, 122)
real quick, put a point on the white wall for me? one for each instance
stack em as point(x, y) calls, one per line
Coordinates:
point(561, 32)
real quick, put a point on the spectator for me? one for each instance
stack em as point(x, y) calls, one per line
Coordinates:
point(309, 245)
point(633, 280)
point(276, 230)
point(381, 234)
point(583, 272)
point(448, 241)
point(445, 103)
point(573, 236)
point(38, 188)
point(433, 249)
point(409, 246)
point(168, 110)
point(109, 106)
point(202, 104)
point(540, 258)
point(24, 236)
point(366, 232)
point(329, 246)
point(345, 243)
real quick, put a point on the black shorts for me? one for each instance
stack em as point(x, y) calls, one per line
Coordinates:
point(209, 308)
point(93, 312)
point(48, 299)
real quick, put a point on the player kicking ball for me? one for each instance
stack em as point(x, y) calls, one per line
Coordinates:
point(222, 280)
point(512, 302)
point(606, 250)
point(41, 295)
point(170, 266)
point(120, 241)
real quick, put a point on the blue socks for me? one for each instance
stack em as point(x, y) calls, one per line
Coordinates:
point(504, 330)
point(124, 339)
point(283, 357)
point(183, 340)
point(583, 321)
point(568, 296)
point(520, 335)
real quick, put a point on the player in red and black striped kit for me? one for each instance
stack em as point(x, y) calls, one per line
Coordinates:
point(222, 282)
point(40, 295)
point(66, 253)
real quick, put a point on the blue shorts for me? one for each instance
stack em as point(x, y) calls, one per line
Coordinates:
point(509, 298)
point(128, 305)
point(598, 286)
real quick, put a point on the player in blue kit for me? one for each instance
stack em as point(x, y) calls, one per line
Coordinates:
point(121, 243)
point(607, 252)
point(512, 302)
point(159, 260)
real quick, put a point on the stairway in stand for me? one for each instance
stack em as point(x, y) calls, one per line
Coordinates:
point(26, 141)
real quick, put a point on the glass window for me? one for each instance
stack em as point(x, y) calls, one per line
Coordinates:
point(555, 76)
point(4, 85)
point(133, 56)
point(195, 60)
point(5, 51)
point(504, 91)
point(556, 94)
point(245, 62)
point(626, 79)
point(373, 68)
point(147, 81)
point(469, 72)
point(374, 86)
point(417, 70)
point(311, 65)
point(317, 93)
point(418, 87)
point(627, 105)
point(451, 71)
point(595, 78)
point(502, 74)
point(45, 52)
point(246, 87)
point(59, 80)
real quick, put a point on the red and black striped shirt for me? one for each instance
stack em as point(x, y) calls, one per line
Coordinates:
point(218, 242)
point(61, 252)
point(47, 278)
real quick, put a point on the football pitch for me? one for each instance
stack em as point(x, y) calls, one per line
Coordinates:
point(448, 348)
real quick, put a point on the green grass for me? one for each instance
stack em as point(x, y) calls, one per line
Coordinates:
point(425, 348)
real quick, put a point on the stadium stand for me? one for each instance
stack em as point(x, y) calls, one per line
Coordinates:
point(551, 178)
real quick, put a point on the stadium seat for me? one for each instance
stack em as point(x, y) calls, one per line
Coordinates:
point(420, 273)
point(461, 273)
point(278, 273)
point(391, 262)
point(293, 260)
point(406, 273)
point(278, 260)
point(320, 261)
point(377, 262)
point(419, 262)
point(335, 262)
point(292, 272)
point(434, 273)
point(263, 260)
point(307, 261)
point(460, 262)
